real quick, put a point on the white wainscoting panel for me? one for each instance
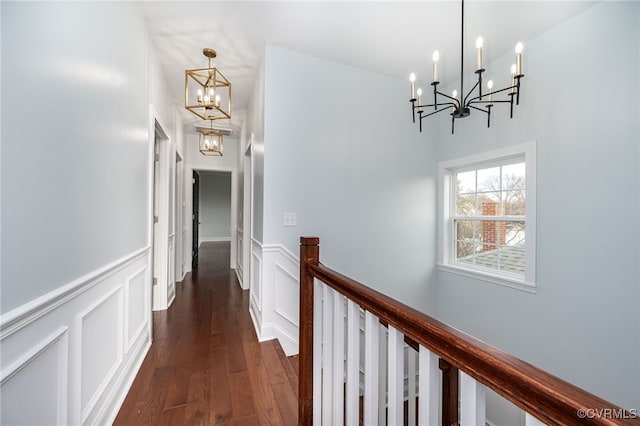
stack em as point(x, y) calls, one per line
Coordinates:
point(171, 281)
point(70, 356)
point(287, 295)
point(255, 289)
point(276, 286)
point(239, 255)
point(101, 347)
point(186, 252)
point(45, 365)
point(134, 297)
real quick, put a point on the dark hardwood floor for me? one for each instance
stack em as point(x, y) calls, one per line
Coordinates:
point(205, 365)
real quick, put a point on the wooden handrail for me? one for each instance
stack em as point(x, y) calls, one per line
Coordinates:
point(543, 395)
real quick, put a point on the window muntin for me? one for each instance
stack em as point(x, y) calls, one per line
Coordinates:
point(488, 216)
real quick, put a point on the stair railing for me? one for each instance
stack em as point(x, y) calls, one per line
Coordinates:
point(453, 369)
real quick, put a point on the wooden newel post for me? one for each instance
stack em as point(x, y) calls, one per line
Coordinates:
point(309, 254)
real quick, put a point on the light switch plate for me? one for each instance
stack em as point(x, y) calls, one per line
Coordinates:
point(289, 219)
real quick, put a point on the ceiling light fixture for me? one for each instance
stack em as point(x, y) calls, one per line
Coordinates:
point(461, 108)
point(210, 141)
point(210, 94)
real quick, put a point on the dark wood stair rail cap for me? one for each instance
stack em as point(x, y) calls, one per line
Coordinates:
point(543, 395)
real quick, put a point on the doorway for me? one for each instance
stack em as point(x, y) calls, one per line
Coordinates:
point(214, 210)
point(195, 241)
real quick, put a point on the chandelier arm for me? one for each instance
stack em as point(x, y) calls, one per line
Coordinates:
point(471, 91)
point(439, 104)
point(449, 104)
point(479, 109)
point(473, 100)
point(457, 102)
point(488, 102)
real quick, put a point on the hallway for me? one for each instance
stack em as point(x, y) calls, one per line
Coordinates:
point(205, 365)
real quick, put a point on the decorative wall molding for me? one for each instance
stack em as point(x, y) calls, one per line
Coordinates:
point(274, 308)
point(98, 330)
point(282, 300)
point(58, 342)
point(255, 286)
point(134, 282)
point(239, 255)
point(31, 311)
point(76, 350)
point(171, 281)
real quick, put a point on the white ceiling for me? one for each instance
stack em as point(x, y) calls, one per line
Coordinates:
point(388, 37)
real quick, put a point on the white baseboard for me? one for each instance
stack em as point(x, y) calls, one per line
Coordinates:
point(288, 342)
point(84, 343)
point(213, 240)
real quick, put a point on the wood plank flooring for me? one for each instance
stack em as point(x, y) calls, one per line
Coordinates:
point(206, 366)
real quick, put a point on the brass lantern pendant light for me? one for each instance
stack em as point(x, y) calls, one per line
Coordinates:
point(210, 141)
point(207, 93)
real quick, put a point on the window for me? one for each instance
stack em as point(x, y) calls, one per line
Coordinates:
point(488, 228)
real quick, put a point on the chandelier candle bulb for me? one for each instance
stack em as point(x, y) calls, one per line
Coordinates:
point(454, 95)
point(217, 100)
point(513, 78)
point(519, 48)
point(419, 96)
point(490, 87)
point(199, 96)
point(479, 43)
point(412, 79)
point(436, 58)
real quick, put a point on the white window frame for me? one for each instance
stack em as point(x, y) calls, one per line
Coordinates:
point(446, 255)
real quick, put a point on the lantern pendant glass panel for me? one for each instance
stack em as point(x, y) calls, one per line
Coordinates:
point(210, 142)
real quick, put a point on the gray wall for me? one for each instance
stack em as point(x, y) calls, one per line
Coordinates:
point(75, 168)
point(580, 103)
point(354, 170)
point(215, 206)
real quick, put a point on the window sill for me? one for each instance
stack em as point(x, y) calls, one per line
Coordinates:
point(488, 277)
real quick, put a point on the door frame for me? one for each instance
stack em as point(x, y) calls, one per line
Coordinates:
point(247, 215)
point(156, 126)
point(234, 206)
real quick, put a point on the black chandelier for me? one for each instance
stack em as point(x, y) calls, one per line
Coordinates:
point(462, 108)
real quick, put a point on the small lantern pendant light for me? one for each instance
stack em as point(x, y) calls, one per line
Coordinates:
point(210, 141)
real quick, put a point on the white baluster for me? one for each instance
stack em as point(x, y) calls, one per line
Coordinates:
point(338, 358)
point(353, 363)
point(429, 384)
point(411, 370)
point(529, 420)
point(327, 355)
point(395, 396)
point(472, 401)
point(317, 352)
point(382, 390)
point(371, 368)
